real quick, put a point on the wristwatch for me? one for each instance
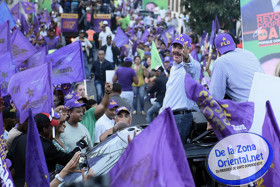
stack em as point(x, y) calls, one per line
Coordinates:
point(59, 178)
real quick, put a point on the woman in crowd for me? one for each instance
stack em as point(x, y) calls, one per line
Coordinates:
point(139, 89)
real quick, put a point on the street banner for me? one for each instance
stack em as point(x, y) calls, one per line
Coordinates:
point(260, 28)
point(69, 22)
point(98, 21)
point(150, 4)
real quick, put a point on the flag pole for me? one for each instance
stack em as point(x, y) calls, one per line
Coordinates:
point(53, 128)
point(85, 84)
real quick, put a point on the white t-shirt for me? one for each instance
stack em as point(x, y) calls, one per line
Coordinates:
point(73, 134)
point(109, 54)
point(102, 124)
point(102, 37)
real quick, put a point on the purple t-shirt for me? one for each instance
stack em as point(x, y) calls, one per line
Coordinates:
point(125, 77)
point(52, 43)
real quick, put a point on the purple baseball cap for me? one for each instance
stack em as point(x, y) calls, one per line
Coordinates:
point(148, 53)
point(181, 39)
point(167, 59)
point(224, 43)
point(128, 59)
point(113, 103)
point(73, 103)
point(122, 108)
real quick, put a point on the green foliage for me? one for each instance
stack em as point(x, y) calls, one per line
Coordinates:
point(202, 12)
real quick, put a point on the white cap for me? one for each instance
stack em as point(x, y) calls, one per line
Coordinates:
point(105, 22)
point(88, 8)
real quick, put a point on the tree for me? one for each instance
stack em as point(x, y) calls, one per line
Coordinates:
point(202, 12)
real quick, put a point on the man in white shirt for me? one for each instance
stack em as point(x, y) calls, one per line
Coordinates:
point(107, 121)
point(102, 37)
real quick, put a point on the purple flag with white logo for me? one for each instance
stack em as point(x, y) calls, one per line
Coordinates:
point(5, 37)
point(15, 11)
point(28, 7)
point(161, 162)
point(67, 64)
point(225, 116)
point(144, 37)
point(7, 70)
point(168, 34)
point(37, 58)
point(120, 38)
point(5, 177)
point(24, 25)
point(271, 132)
point(5, 14)
point(32, 89)
point(22, 49)
point(35, 158)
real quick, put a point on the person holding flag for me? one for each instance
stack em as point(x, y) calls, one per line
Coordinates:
point(175, 96)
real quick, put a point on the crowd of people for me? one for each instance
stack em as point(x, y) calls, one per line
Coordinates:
point(81, 121)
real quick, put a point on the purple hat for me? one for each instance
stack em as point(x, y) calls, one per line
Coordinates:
point(122, 108)
point(128, 59)
point(148, 53)
point(182, 39)
point(113, 103)
point(224, 43)
point(167, 59)
point(73, 103)
point(147, 44)
point(197, 45)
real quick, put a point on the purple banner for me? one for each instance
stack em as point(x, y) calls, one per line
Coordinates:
point(28, 7)
point(7, 70)
point(98, 21)
point(69, 22)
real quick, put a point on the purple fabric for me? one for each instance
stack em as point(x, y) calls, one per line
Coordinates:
point(125, 77)
point(5, 37)
point(120, 38)
point(203, 36)
point(123, 7)
point(51, 43)
point(24, 25)
point(36, 24)
point(46, 18)
point(134, 47)
point(217, 25)
point(22, 49)
point(212, 37)
point(6, 14)
point(15, 11)
point(7, 70)
point(5, 177)
point(194, 55)
point(271, 132)
point(169, 33)
point(37, 58)
point(32, 89)
point(28, 7)
point(182, 39)
point(144, 37)
point(225, 116)
point(161, 162)
point(67, 64)
point(35, 158)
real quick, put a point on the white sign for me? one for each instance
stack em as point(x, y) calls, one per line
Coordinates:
point(109, 76)
point(264, 87)
point(239, 159)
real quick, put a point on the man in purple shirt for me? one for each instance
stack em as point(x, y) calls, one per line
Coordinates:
point(51, 40)
point(125, 76)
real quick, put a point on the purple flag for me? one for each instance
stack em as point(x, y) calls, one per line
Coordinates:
point(46, 18)
point(161, 162)
point(32, 89)
point(5, 177)
point(203, 36)
point(144, 37)
point(15, 11)
point(134, 47)
point(7, 70)
point(194, 55)
point(67, 64)
point(36, 24)
point(123, 7)
point(271, 132)
point(120, 38)
point(6, 15)
point(212, 37)
point(24, 25)
point(225, 116)
point(28, 7)
point(69, 22)
point(35, 158)
point(37, 58)
point(22, 49)
point(217, 25)
point(5, 37)
point(168, 34)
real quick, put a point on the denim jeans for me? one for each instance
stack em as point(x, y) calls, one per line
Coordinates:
point(139, 92)
point(127, 96)
point(100, 87)
point(184, 124)
point(87, 72)
point(150, 113)
point(74, 7)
